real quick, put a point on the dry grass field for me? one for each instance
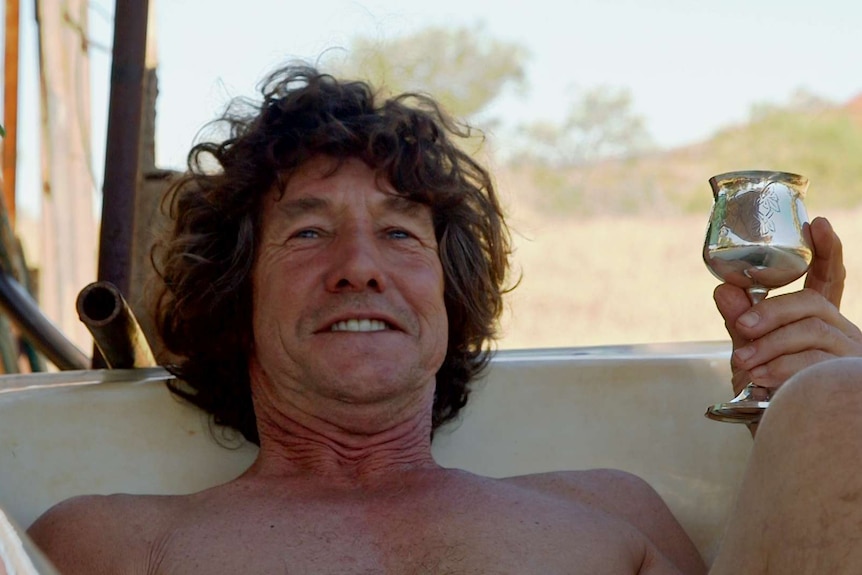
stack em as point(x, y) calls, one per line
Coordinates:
point(629, 280)
point(640, 279)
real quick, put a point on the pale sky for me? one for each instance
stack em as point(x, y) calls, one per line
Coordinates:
point(692, 66)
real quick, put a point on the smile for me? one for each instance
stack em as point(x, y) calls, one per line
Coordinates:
point(360, 325)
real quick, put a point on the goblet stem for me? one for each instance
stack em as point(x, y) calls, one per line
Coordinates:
point(749, 405)
point(753, 392)
point(757, 294)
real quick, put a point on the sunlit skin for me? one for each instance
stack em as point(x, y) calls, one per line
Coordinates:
point(341, 252)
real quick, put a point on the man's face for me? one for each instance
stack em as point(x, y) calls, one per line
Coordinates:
point(347, 290)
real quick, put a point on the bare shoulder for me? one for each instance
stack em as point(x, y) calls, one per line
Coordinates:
point(97, 533)
point(628, 497)
point(617, 492)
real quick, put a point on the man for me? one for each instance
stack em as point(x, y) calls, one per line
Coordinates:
point(331, 289)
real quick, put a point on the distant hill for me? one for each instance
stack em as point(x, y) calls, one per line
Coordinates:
point(821, 142)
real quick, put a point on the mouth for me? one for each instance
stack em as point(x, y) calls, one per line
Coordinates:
point(360, 325)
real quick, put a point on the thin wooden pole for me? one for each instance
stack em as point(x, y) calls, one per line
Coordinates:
point(68, 229)
point(10, 107)
point(8, 341)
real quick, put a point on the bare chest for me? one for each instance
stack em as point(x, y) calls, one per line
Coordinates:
point(405, 538)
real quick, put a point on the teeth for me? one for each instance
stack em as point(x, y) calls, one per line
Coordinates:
point(360, 325)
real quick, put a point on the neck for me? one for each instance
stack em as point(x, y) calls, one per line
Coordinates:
point(340, 448)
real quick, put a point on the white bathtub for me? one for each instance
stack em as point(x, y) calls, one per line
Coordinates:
point(637, 408)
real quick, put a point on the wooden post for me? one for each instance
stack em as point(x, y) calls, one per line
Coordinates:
point(10, 107)
point(69, 229)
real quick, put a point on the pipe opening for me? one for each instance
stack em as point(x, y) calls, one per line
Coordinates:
point(99, 304)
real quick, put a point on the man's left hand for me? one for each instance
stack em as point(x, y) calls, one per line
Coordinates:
point(786, 333)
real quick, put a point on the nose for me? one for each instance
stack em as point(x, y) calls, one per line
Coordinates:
point(356, 265)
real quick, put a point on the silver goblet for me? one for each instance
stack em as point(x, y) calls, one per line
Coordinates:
point(758, 238)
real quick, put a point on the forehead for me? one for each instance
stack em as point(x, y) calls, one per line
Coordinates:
point(326, 183)
point(327, 176)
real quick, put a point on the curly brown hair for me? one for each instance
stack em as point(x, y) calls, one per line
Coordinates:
point(203, 310)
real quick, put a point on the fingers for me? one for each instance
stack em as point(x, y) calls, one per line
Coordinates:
point(770, 364)
point(772, 359)
point(787, 333)
point(781, 310)
point(732, 302)
point(827, 273)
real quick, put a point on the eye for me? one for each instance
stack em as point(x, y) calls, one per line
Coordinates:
point(306, 233)
point(398, 234)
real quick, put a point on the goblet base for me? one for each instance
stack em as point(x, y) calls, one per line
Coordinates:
point(742, 411)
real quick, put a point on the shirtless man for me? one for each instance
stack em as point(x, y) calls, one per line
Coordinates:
point(331, 291)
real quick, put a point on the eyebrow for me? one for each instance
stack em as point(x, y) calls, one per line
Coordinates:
point(403, 205)
point(299, 207)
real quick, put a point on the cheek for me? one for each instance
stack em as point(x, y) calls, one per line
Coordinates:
point(427, 283)
point(444, 335)
point(441, 311)
point(268, 303)
point(439, 317)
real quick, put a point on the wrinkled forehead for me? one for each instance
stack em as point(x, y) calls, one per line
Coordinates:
point(317, 171)
point(324, 182)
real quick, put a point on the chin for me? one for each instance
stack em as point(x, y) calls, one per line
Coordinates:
point(378, 383)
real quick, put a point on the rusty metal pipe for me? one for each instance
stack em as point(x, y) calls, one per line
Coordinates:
point(123, 142)
point(116, 331)
point(17, 302)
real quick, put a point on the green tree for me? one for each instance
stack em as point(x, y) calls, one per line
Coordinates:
point(463, 68)
point(801, 101)
point(600, 124)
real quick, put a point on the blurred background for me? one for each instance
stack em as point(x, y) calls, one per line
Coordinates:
point(602, 122)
